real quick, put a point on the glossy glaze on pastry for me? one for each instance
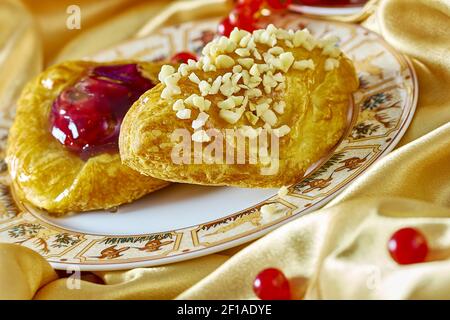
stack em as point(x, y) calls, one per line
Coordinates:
point(62, 149)
point(282, 81)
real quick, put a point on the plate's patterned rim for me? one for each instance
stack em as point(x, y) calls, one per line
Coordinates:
point(386, 100)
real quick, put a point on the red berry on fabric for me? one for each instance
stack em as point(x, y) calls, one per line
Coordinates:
point(271, 284)
point(253, 5)
point(225, 27)
point(408, 246)
point(183, 57)
point(278, 4)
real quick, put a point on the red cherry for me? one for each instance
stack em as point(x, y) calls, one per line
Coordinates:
point(86, 116)
point(225, 27)
point(408, 246)
point(271, 284)
point(253, 5)
point(243, 18)
point(183, 57)
point(278, 4)
point(79, 117)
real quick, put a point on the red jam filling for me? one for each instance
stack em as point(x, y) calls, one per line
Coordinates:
point(86, 117)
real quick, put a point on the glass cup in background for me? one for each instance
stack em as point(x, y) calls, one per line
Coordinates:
point(331, 3)
point(328, 7)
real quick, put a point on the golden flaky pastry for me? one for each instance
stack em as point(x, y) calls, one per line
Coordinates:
point(285, 83)
point(55, 175)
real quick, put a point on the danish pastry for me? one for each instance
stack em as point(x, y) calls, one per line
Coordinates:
point(62, 151)
point(284, 84)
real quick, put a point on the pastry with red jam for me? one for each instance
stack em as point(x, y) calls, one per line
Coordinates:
point(62, 149)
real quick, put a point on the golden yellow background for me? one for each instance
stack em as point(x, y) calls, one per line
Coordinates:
point(339, 252)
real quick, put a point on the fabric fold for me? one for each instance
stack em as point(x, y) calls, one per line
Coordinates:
point(22, 272)
point(341, 253)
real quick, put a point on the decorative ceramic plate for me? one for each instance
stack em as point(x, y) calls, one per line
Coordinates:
point(185, 221)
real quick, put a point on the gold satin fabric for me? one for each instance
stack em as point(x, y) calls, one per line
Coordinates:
point(338, 252)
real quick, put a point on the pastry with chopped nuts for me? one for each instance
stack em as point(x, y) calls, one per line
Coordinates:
point(62, 149)
point(285, 92)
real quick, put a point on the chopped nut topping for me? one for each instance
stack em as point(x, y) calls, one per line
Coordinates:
point(269, 80)
point(224, 61)
point(246, 62)
point(261, 108)
point(280, 87)
point(254, 70)
point(279, 107)
point(204, 87)
point(289, 44)
point(178, 105)
point(332, 51)
point(200, 121)
point(244, 43)
point(216, 85)
point(279, 77)
point(269, 117)
point(190, 100)
point(227, 104)
point(250, 68)
point(251, 117)
point(184, 114)
point(166, 71)
point(227, 88)
point(304, 64)
point(330, 64)
point(237, 69)
point(300, 37)
point(237, 35)
point(230, 116)
point(183, 69)
point(276, 51)
point(201, 103)
point(168, 92)
point(286, 59)
point(243, 52)
point(253, 93)
point(238, 100)
point(194, 78)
